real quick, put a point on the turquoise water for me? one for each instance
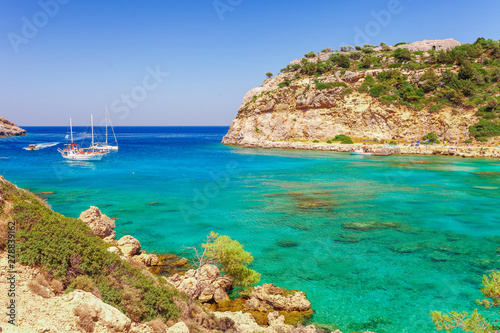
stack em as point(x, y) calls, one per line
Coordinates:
point(375, 242)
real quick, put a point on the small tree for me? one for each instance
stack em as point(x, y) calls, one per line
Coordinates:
point(311, 54)
point(475, 322)
point(232, 259)
point(402, 54)
point(343, 61)
point(269, 75)
point(343, 48)
point(430, 136)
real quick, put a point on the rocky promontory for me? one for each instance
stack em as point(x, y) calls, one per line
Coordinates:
point(400, 93)
point(8, 128)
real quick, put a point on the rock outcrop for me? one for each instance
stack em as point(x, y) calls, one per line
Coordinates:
point(129, 246)
point(244, 323)
point(101, 225)
point(205, 284)
point(268, 296)
point(8, 128)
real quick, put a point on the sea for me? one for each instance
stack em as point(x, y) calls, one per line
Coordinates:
point(376, 243)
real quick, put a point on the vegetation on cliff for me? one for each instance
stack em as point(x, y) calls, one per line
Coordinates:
point(466, 77)
point(70, 254)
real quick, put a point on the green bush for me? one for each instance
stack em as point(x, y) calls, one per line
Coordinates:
point(485, 129)
point(311, 54)
point(474, 322)
point(285, 83)
point(430, 136)
point(315, 141)
point(232, 259)
point(344, 139)
point(395, 65)
point(376, 91)
point(402, 54)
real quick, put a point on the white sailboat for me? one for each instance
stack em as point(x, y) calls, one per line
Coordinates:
point(104, 145)
point(73, 152)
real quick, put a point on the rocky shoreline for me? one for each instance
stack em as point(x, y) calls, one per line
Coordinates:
point(8, 128)
point(43, 305)
point(457, 151)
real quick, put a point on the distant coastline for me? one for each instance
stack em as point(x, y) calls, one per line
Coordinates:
point(8, 128)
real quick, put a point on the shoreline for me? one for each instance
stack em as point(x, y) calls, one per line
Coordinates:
point(431, 150)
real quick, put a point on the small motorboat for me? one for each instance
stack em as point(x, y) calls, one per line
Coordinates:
point(361, 151)
point(32, 147)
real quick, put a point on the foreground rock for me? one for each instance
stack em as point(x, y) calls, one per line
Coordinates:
point(8, 128)
point(268, 296)
point(205, 284)
point(101, 225)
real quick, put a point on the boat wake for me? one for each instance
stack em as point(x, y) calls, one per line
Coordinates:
point(43, 145)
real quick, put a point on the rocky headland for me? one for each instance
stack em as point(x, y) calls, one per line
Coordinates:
point(48, 299)
point(8, 128)
point(379, 93)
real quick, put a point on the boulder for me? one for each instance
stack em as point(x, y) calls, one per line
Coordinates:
point(115, 250)
point(129, 245)
point(100, 224)
point(205, 284)
point(102, 313)
point(148, 259)
point(277, 298)
point(180, 327)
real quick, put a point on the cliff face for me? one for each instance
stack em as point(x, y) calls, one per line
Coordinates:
point(297, 114)
point(292, 107)
point(8, 128)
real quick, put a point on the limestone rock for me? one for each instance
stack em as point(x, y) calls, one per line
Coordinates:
point(8, 128)
point(106, 315)
point(148, 259)
point(273, 296)
point(100, 224)
point(426, 45)
point(115, 250)
point(211, 286)
point(180, 327)
point(129, 245)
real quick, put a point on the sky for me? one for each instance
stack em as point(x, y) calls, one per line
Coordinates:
point(189, 63)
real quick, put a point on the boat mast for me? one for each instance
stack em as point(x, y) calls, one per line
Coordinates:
point(106, 125)
point(92, 125)
point(71, 129)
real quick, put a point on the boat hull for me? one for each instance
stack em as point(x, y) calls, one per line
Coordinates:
point(360, 153)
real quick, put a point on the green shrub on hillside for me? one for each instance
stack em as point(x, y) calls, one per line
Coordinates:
point(402, 54)
point(67, 249)
point(485, 129)
point(344, 139)
point(430, 136)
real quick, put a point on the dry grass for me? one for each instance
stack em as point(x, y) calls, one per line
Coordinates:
point(85, 319)
point(40, 286)
point(157, 325)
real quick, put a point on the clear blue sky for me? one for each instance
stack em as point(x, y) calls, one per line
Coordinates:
point(86, 54)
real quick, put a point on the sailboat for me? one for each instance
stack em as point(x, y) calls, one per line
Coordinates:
point(73, 152)
point(104, 145)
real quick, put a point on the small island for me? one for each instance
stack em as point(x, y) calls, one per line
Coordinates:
point(8, 128)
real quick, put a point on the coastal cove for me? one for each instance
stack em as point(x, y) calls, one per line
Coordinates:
point(374, 242)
